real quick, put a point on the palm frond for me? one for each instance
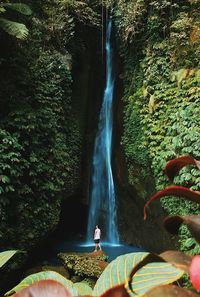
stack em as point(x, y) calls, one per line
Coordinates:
point(19, 7)
point(13, 28)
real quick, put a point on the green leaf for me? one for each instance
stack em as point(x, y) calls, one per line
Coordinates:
point(83, 289)
point(5, 256)
point(44, 275)
point(5, 179)
point(1, 190)
point(13, 28)
point(149, 276)
point(19, 7)
point(152, 275)
point(117, 272)
point(2, 10)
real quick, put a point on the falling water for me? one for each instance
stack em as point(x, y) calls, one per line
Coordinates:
point(103, 198)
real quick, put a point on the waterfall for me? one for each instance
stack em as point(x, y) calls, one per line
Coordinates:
point(102, 209)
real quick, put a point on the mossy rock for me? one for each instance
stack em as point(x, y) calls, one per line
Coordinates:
point(84, 264)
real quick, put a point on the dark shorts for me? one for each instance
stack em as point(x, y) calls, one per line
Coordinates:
point(96, 240)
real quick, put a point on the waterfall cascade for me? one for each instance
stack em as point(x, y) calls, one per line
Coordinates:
point(102, 209)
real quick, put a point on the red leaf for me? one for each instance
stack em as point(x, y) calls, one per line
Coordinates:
point(177, 191)
point(169, 291)
point(117, 291)
point(178, 259)
point(172, 224)
point(44, 288)
point(174, 166)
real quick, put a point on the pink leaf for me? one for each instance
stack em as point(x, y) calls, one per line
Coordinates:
point(44, 288)
point(195, 272)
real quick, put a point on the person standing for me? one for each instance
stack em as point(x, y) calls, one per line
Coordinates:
point(97, 236)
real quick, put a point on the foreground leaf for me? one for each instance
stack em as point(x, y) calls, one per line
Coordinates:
point(5, 256)
point(169, 291)
point(174, 166)
point(44, 275)
point(117, 272)
point(177, 191)
point(44, 288)
point(126, 270)
point(83, 289)
point(194, 272)
point(178, 259)
point(173, 223)
point(152, 275)
point(117, 291)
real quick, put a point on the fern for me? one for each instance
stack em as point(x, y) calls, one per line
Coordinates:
point(13, 28)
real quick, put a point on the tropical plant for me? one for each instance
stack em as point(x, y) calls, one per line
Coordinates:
point(137, 280)
point(41, 276)
point(138, 274)
point(83, 288)
point(16, 29)
point(173, 223)
point(45, 288)
point(5, 256)
point(135, 274)
point(128, 272)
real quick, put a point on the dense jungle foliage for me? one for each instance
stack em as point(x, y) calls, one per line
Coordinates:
point(159, 42)
point(40, 143)
point(40, 139)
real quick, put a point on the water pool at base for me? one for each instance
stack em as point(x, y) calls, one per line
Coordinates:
point(111, 250)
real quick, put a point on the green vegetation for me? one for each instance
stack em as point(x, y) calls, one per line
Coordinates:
point(159, 44)
point(118, 271)
point(44, 275)
point(133, 274)
point(5, 256)
point(41, 143)
point(121, 268)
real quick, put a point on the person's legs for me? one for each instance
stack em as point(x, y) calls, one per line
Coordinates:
point(99, 246)
point(96, 245)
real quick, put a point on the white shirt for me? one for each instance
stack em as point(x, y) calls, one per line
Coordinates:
point(97, 233)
